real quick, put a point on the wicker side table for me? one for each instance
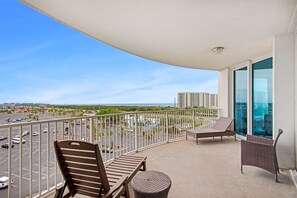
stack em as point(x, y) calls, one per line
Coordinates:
point(151, 184)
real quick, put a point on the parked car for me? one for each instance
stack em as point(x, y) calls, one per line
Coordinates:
point(17, 141)
point(45, 130)
point(7, 119)
point(4, 182)
point(107, 150)
point(3, 138)
point(6, 145)
point(17, 136)
point(18, 119)
point(25, 133)
point(35, 133)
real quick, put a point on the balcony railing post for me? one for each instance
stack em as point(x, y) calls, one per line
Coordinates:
point(91, 129)
point(136, 132)
point(193, 119)
point(9, 194)
point(167, 128)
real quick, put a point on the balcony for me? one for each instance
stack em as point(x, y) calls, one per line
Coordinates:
point(210, 169)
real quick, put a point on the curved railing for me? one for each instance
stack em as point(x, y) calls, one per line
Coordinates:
point(32, 166)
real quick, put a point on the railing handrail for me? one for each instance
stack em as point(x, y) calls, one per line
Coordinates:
point(116, 134)
point(96, 116)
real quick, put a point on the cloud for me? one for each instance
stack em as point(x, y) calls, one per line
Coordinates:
point(19, 54)
point(157, 87)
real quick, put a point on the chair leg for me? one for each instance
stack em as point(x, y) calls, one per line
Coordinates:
point(143, 166)
point(276, 177)
point(241, 169)
point(60, 191)
point(126, 193)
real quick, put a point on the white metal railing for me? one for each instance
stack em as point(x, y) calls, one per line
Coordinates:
point(32, 166)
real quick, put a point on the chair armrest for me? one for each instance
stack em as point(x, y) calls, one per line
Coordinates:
point(117, 188)
point(252, 138)
point(256, 149)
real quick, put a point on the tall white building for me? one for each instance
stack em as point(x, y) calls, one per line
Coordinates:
point(196, 99)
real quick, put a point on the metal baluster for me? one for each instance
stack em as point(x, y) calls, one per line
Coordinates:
point(9, 163)
point(21, 163)
point(30, 162)
point(39, 161)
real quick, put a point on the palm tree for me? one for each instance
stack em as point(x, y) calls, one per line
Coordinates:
point(122, 134)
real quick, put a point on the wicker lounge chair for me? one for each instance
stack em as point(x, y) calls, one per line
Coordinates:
point(219, 129)
point(84, 173)
point(260, 152)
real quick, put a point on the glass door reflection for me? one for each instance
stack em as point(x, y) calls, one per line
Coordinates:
point(262, 98)
point(240, 101)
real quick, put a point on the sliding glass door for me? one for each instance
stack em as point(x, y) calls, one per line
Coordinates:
point(262, 98)
point(259, 102)
point(240, 101)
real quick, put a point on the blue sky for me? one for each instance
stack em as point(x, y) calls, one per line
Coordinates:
point(44, 61)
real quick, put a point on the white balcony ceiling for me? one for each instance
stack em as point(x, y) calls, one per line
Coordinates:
point(179, 32)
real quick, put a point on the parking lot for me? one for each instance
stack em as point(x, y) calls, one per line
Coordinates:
point(43, 161)
point(44, 166)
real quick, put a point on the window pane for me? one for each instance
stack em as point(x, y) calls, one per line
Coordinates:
point(262, 98)
point(240, 101)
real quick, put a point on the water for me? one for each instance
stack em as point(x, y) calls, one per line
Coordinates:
point(142, 104)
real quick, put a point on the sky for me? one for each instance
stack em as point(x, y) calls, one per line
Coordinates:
point(44, 61)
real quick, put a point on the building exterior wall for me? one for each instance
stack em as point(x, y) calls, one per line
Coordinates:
point(213, 100)
point(224, 92)
point(206, 100)
point(284, 97)
point(196, 99)
point(201, 100)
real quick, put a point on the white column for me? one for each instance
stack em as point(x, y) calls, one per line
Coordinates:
point(224, 92)
point(284, 97)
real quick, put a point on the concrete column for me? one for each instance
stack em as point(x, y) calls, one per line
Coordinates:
point(224, 92)
point(284, 97)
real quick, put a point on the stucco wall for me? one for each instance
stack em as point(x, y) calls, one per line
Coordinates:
point(224, 92)
point(284, 97)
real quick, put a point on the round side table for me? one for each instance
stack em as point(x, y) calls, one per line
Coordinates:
point(151, 184)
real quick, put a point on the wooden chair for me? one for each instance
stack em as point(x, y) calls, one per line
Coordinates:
point(260, 152)
point(84, 173)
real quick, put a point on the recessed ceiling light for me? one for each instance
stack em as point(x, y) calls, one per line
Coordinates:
point(218, 50)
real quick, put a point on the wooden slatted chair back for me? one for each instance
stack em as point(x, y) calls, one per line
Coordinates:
point(81, 164)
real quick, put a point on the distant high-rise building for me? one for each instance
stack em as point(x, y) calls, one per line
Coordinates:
point(213, 100)
point(196, 99)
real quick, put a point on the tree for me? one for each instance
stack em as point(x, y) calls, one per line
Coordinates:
point(30, 116)
point(122, 134)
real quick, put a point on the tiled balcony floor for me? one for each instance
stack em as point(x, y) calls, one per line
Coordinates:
point(212, 169)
